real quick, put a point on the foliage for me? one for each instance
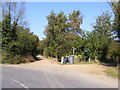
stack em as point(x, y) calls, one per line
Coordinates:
point(19, 45)
point(62, 34)
point(55, 32)
point(46, 52)
point(103, 35)
point(114, 51)
point(6, 30)
point(59, 33)
point(74, 21)
point(116, 25)
point(16, 51)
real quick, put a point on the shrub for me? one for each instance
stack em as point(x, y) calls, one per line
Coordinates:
point(9, 58)
point(46, 52)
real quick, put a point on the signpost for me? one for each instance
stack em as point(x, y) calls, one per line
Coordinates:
point(74, 50)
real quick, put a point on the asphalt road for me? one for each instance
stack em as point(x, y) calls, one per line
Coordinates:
point(16, 77)
point(49, 75)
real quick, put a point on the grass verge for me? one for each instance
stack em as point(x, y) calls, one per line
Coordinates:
point(112, 72)
point(91, 62)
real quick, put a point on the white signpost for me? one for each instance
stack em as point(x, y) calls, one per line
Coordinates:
point(74, 50)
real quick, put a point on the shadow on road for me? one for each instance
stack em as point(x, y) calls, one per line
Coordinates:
point(38, 58)
point(110, 64)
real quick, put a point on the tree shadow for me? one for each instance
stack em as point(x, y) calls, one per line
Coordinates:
point(109, 63)
point(38, 58)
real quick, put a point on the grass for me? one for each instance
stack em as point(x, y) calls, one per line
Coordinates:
point(91, 62)
point(112, 72)
point(0, 61)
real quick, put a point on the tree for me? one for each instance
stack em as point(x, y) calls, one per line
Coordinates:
point(19, 44)
point(28, 42)
point(55, 33)
point(0, 33)
point(13, 15)
point(116, 10)
point(23, 49)
point(116, 27)
point(6, 30)
point(74, 21)
point(103, 34)
point(114, 51)
point(74, 32)
point(60, 31)
point(16, 11)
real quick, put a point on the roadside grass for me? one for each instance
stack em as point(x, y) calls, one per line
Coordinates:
point(77, 63)
point(0, 58)
point(0, 61)
point(112, 72)
point(118, 71)
point(91, 62)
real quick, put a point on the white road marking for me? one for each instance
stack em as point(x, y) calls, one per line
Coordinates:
point(21, 84)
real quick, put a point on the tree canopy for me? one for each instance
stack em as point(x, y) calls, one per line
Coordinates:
point(63, 32)
point(19, 45)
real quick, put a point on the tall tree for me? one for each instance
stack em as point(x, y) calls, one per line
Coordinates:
point(116, 10)
point(6, 30)
point(13, 15)
point(62, 31)
point(19, 44)
point(55, 32)
point(74, 21)
point(103, 33)
point(16, 11)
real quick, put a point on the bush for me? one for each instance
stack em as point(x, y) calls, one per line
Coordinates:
point(21, 50)
point(77, 58)
point(17, 60)
point(9, 58)
point(96, 61)
point(46, 52)
point(6, 57)
point(29, 58)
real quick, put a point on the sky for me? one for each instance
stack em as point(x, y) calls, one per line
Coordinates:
point(36, 13)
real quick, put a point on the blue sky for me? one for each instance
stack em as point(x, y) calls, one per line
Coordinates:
point(36, 13)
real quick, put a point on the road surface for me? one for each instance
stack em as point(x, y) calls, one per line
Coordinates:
point(46, 74)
